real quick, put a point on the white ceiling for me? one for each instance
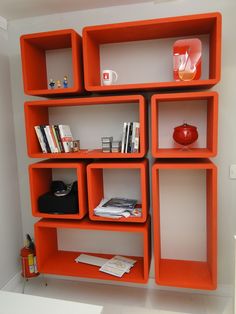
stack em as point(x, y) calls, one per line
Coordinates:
point(16, 9)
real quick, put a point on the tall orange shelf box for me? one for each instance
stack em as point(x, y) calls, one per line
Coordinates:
point(211, 99)
point(40, 178)
point(187, 273)
point(173, 27)
point(34, 65)
point(52, 260)
point(37, 113)
point(95, 180)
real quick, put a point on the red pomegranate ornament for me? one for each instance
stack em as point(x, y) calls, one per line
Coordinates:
point(185, 134)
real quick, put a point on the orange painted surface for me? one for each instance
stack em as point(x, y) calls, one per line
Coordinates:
point(36, 113)
point(40, 178)
point(180, 273)
point(96, 190)
point(33, 56)
point(53, 261)
point(211, 132)
point(192, 25)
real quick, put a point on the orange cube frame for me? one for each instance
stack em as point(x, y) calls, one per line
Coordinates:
point(36, 113)
point(181, 273)
point(53, 261)
point(212, 125)
point(96, 188)
point(40, 177)
point(33, 48)
point(181, 26)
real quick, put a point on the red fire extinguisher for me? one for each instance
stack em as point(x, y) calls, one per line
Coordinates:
point(28, 259)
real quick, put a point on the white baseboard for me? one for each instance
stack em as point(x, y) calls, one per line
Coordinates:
point(16, 285)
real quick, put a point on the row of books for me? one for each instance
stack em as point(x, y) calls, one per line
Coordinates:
point(54, 138)
point(130, 137)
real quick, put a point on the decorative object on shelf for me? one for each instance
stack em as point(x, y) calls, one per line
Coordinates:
point(51, 83)
point(58, 83)
point(109, 77)
point(76, 145)
point(185, 134)
point(116, 146)
point(187, 55)
point(106, 144)
point(65, 81)
point(61, 199)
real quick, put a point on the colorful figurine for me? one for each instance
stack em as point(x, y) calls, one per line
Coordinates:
point(65, 81)
point(58, 84)
point(51, 83)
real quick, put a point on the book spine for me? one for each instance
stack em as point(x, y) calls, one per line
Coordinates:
point(56, 128)
point(53, 139)
point(45, 138)
point(127, 138)
point(40, 138)
point(123, 137)
point(66, 137)
point(49, 138)
point(136, 138)
point(130, 138)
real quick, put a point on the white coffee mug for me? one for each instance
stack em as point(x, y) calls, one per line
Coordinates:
point(109, 77)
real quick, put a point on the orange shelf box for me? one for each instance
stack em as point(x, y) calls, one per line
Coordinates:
point(38, 113)
point(52, 260)
point(95, 38)
point(187, 273)
point(34, 62)
point(40, 178)
point(96, 190)
point(198, 107)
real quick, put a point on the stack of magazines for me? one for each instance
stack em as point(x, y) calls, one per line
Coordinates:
point(117, 208)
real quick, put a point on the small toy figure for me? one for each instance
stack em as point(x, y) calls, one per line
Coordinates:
point(51, 83)
point(65, 81)
point(58, 84)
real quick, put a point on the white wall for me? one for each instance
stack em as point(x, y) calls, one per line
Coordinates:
point(10, 214)
point(227, 109)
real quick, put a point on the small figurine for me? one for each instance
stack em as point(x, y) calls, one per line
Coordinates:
point(65, 81)
point(51, 83)
point(58, 84)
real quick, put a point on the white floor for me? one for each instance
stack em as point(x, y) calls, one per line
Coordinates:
point(129, 300)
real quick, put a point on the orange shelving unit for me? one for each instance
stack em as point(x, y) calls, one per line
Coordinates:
point(52, 260)
point(95, 180)
point(37, 113)
point(40, 178)
point(34, 65)
point(211, 109)
point(187, 273)
point(174, 27)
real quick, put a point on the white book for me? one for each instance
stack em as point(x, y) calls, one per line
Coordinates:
point(123, 137)
point(136, 137)
point(66, 137)
point(40, 138)
point(53, 148)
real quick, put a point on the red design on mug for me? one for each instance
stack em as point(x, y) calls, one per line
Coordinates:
point(106, 76)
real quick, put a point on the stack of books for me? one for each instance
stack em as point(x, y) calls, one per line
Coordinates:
point(130, 137)
point(54, 138)
point(106, 144)
point(116, 146)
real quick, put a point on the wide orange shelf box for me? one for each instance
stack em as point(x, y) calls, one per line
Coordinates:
point(174, 27)
point(187, 273)
point(51, 260)
point(96, 187)
point(210, 149)
point(41, 176)
point(37, 113)
point(34, 65)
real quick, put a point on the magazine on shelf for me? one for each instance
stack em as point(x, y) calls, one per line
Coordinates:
point(124, 203)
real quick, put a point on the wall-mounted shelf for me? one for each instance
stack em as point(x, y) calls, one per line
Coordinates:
point(41, 176)
point(96, 189)
point(40, 113)
point(170, 110)
point(187, 273)
point(52, 260)
point(98, 38)
point(34, 62)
